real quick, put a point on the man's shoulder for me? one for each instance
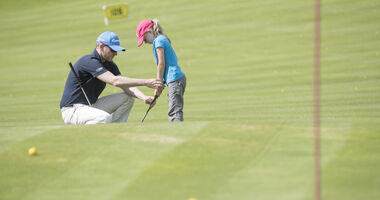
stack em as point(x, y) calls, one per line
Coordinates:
point(89, 60)
point(93, 57)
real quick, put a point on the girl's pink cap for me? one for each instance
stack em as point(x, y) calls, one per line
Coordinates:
point(141, 29)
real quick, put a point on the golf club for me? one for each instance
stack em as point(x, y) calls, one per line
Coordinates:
point(150, 106)
point(80, 83)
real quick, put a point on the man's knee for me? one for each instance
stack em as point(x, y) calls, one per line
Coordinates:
point(131, 100)
point(127, 98)
point(128, 101)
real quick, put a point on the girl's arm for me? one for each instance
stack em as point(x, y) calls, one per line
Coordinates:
point(160, 68)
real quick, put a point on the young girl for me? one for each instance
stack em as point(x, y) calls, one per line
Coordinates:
point(150, 31)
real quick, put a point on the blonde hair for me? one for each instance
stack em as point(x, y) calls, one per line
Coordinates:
point(158, 30)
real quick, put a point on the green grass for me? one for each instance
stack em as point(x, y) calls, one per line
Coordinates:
point(248, 105)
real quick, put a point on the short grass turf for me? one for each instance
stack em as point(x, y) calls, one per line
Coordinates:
point(248, 105)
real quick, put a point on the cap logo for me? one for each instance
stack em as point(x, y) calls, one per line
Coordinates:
point(111, 40)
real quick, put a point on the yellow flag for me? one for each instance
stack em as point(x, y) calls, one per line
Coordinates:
point(115, 12)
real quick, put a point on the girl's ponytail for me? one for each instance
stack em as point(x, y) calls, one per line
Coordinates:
point(157, 29)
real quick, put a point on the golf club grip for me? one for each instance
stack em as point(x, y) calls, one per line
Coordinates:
point(75, 74)
point(154, 100)
point(151, 104)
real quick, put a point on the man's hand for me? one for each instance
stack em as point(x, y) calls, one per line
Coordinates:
point(149, 100)
point(155, 84)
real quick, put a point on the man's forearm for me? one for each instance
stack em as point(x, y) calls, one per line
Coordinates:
point(122, 81)
point(135, 92)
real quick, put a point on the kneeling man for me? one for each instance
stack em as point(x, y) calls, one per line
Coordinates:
point(94, 72)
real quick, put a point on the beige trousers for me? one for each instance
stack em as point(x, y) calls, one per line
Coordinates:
point(119, 105)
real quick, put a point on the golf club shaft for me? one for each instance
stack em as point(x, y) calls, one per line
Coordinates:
point(80, 83)
point(150, 106)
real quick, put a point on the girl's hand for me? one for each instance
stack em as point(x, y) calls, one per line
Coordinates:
point(157, 92)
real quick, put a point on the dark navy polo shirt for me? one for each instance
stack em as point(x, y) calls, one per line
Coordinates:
point(87, 68)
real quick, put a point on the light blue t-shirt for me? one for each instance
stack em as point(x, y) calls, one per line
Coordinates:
point(172, 70)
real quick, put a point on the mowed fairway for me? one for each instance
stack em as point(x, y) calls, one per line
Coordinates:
point(248, 130)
